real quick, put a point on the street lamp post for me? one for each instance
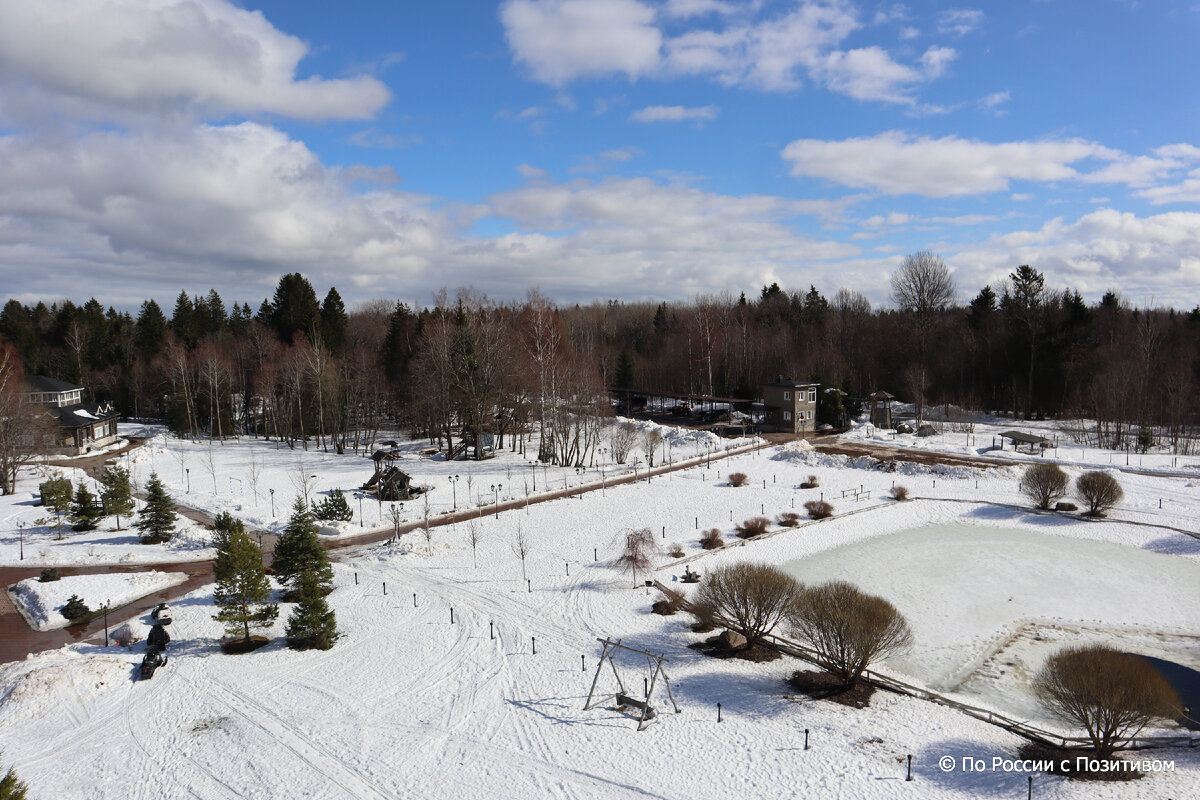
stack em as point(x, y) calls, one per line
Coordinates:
point(454, 488)
point(272, 490)
point(106, 604)
point(21, 528)
point(579, 471)
point(534, 465)
point(360, 514)
point(187, 471)
point(496, 492)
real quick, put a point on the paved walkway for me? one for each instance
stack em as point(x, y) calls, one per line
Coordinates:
point(17, 639)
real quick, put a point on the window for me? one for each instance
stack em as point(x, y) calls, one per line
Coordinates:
point(812, 395)
point(787, 416)
point(787, 395)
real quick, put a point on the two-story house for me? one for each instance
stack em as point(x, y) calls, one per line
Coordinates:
point(82, 427)
point(790, 405)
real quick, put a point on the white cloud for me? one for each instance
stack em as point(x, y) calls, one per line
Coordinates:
point(685, 9)
point(561, 40)
point(993, 101)
point(750, 45)
point(1155, 256)
point(896, 163)
point(674, 114)
point(1186, 191)
point(530, 172)
point(106, 59)
point(908, 33)
point(959, 21)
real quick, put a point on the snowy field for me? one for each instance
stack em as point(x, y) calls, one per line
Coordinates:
point(21, 518)
point(40, 603)
point(981, 437)
point(408, 704)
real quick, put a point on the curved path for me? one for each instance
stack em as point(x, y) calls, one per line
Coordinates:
point(17, 640)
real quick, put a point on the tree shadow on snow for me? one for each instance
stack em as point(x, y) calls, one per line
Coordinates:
point(1006, 514)
point(1178, 545)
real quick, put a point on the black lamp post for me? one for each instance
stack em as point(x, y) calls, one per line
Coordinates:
point(272, 502)
point(454, 488)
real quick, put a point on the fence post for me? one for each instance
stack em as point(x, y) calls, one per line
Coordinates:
point(909, 778)
point(385, 588)
point(806, 738)
point(718, 712)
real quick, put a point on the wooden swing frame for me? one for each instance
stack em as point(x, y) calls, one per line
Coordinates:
point(622, 697)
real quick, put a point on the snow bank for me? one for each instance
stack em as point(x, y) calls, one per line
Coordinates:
point(44, 681)
point(41, 603)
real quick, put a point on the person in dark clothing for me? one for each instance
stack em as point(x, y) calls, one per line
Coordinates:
point(158, 638)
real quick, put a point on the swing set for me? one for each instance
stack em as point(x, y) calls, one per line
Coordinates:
point(624, 700)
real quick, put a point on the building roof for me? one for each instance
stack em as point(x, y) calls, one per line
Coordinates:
point(80, 414)
point(789, 382)
point(1025, 438)
point(40, 383)
point(880, 394)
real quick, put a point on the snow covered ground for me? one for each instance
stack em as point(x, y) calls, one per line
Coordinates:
point(981, 436)
point(41, 603)
point(409, 704)
point(29, 534)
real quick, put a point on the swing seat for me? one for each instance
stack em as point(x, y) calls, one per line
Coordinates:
point(626, 700)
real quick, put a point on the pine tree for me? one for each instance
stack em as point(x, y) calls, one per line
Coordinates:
point(11, 787)
point(86, 513)
point(156, 520)
point(242, 591)
point(116, 494)
point(298, 549)
point(224, 526)
point(312, 623)
point(334, 322)
point(334, 507)
point(56, 495)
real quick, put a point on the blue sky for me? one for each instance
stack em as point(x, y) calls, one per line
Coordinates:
point(636, 149)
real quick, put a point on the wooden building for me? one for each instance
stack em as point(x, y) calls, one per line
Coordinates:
point(82, 427)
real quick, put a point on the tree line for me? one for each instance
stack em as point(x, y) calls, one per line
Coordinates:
point(305, 371)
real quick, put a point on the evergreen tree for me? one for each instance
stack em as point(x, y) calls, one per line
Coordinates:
point(11, 787)
point(334, 507)
point(242, 591)
point(116, 494)
point(224, 526)
point(86, 513)
point(75, 608)
point(150, 330)
point(183, 320)
point(156, 520)
point(623, 378)
point(334, 322)
point(56, 495)
point(312, 623)
point(298, 549)
point(294, 307)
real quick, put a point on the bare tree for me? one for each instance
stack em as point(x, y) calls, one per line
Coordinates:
point(1112, 695)
point(1100, 491)
point(752, 598)
point(24, 426)
point(1044, 484)
point(620, 439)
point(521, 547)
point(254, 473)
point(637, 551)
point(848, 628)
point(427, 531)
point(922, 289)
point(473, 538)
point(651, 438)
point(397, 515)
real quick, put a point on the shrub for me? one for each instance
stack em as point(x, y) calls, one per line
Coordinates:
point(738, 479)
point(75, 608)
point(899, 493)
point(676, 550)
point(704, 613)
point(1112, 695)
point(1100, 491)
point(1044, 484)
point(818, 509)
point(788, 519)
point(334, 508)
point(752, 527)
point(668, 604)
point(711, 539)
point(848, 628)
point(751, 598)
point(810, 482)
point(49, 574)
